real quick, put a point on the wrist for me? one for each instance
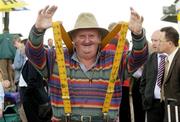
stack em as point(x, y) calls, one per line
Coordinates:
point(138, 32)
point(39, 30)
point(138, 35)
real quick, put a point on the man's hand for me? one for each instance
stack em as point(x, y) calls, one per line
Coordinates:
point(135, 23)
point(44, 19)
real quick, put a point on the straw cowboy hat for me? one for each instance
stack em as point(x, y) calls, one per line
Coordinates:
point(85, 21)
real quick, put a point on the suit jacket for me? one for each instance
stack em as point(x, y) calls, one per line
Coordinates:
point(172, 83)
point(148, 81)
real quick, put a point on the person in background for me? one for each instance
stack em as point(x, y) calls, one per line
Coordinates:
point(169, 38)
point(19, 59)
point(4, 84)
point(7, 55)
point(149, 88)
point(88, 67)
point(50, 44)
point(17, 66)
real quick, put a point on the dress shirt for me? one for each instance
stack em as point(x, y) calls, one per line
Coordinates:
point(157, 94)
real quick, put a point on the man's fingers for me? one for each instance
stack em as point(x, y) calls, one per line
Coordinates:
point(45, 9)
point(134, 14)
point(52, 9)
point(40, 12)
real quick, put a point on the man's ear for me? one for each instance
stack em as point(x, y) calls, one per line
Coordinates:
point(170, 43)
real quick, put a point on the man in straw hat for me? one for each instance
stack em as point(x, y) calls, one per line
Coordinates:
point(88, 68)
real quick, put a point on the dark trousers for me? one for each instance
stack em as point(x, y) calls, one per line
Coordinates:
point(156, 113)
point(125, 108)
point(139, 113)
point(31, 106)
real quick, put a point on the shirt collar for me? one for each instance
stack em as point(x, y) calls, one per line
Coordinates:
point(171, 56)
point(162, 54)
point(74, 57)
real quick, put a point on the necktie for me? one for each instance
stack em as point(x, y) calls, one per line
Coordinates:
point(164, 79)
point(161, 70)
point(166, 69)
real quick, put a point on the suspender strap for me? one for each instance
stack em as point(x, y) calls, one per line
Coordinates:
point(115, 67)
point(66, 38)
point(110, 35)
point(61, 67)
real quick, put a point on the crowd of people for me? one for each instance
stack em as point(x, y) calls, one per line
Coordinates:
point(146, 83)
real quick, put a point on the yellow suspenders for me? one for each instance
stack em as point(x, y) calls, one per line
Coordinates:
point(61, 66)
point(110, 35)
point(60, 34)
point(115, 67)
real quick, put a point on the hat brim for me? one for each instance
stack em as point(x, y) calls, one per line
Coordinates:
point(103, 31)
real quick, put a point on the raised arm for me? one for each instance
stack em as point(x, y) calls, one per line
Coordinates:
point(139, 52)
point(34, 48)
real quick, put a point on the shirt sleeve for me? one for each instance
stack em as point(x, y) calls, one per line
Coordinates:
point(139, 53)
point(36, 52)
point(134, 59)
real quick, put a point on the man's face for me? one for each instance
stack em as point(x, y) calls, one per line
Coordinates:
point(155, 38)
point(16, 44)
point(86, 42)
point(50, 42)
point(163, 44)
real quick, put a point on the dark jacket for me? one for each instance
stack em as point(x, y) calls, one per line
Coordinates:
point(35, 83)
point(172, 83)
point(148, 81)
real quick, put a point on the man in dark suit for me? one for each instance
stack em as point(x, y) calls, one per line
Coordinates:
point(149, 87)
point(171, 86)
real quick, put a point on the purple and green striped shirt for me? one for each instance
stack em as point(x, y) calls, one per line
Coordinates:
point(86, 97)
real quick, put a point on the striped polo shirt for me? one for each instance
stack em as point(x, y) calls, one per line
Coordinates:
point(87, 88)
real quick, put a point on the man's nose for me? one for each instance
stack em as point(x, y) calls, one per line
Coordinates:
point(87, 38)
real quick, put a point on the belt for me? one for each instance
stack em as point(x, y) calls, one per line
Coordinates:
point(80, 118)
